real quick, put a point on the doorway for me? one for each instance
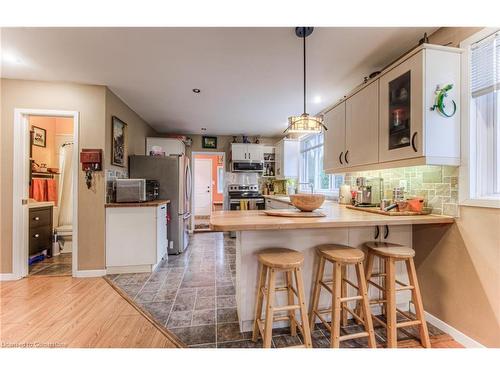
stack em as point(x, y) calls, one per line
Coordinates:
point(45, 189)
point(208, 187)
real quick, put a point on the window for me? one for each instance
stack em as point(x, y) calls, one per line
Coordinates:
point(220, 179)
point(481, 176)
point(311, 168)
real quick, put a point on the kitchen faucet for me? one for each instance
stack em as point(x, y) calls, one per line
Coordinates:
point(310, 184)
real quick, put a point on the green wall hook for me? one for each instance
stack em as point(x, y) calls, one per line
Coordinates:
point(439, 105)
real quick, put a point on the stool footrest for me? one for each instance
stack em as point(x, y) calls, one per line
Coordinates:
point(353, 336)
point(355, 298)
point(286, 308)
point(408, 323)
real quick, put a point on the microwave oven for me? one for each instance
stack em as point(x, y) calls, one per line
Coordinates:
point(247, 166)
point(136, 190)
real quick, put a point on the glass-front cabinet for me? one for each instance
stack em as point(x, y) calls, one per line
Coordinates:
point(400, 130)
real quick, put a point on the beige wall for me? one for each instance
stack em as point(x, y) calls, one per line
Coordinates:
point(95, 105)
point(135, 134)
point(89, 101)
point(459, 265)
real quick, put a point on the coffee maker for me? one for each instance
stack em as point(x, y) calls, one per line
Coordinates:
point(368, 192)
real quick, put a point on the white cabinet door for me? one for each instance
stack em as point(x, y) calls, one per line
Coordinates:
point(278, 157)
point(361, 127)
point(334, 142)
point(255, 152)
point(239, 151)
point(401, 111)
point(161, 232)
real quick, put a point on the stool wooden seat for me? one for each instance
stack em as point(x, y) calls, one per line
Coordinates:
point(386, 249)
point(289, 262)
point(390, 254)
point(341, 257)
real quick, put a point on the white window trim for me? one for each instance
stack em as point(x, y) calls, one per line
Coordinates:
point(331, 194)
point(467, 170)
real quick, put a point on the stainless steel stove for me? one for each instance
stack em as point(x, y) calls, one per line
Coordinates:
point(245, 197)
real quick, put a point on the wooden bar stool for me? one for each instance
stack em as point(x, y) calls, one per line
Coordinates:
point(290, 262)
point(390, 254)
point(341, 257)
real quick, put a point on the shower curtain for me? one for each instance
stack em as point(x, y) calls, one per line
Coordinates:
point(66, 185)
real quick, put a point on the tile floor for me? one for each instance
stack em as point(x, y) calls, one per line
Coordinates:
point(193, 296)
point(59, 265)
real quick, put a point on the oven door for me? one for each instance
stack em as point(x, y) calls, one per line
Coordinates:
point(247, 204)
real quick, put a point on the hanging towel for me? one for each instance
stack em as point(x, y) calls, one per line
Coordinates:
point(51, 191)
point(39, 187)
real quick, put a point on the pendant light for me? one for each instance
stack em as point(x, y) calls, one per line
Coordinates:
point(304, 124)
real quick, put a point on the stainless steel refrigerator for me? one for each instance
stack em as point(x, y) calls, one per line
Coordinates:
point(174, 175)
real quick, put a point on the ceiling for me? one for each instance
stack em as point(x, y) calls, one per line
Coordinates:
point(250, 78)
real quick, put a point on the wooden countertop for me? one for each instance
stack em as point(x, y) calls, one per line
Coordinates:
point(336, 216)
point(155, 203)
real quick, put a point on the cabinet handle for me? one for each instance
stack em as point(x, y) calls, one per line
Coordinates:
point(249, 156)
point(377, 232)
point(340, 157)
point(36, 235)
point(36, 218)
point(162, 207)
point(413, 142)
point(345, 156)
point(386, 233)
point(245, 156)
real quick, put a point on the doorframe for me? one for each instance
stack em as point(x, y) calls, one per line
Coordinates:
point(21, 165)
point(193, 155)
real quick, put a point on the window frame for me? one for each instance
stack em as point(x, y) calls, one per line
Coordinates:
point(332, 192)
point(468, 173)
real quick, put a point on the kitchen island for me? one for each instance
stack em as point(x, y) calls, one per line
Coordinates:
point(256, 231)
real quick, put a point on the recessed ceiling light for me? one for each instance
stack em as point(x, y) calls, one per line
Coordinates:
point(317, 99)
point(196, 91)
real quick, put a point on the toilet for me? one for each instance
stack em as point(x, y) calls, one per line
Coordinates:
point(63, 239)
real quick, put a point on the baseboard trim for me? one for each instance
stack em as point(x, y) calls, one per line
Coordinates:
point(458, 336)
point(90, 273)
point(8, 277)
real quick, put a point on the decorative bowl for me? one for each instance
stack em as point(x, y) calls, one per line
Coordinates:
point(307, 202)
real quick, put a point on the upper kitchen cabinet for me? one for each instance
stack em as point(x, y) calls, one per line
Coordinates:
point(287, 158)
point(334, 141)
point(361, 130)
point(392, 121)
point(410, 126)
point(247, 151)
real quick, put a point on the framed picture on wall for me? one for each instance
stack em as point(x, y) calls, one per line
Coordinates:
point(39, 137)
point(118, 152)
point(208, 142)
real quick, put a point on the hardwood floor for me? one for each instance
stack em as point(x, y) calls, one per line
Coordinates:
point(70, 312)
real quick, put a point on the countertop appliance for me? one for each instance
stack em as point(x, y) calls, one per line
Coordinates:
point(247, 166)
point(173, 174)
point(245, 197)
point(136, 190)
point(368, 193)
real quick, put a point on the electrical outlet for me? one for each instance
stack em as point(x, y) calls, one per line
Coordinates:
point(403, 184)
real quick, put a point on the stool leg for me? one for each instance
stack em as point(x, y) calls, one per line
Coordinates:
point(368, 275)
point(383, 282)
point(259, 300)
point(303, 309)
point(344, 294)
point(417, 300)
point(316, 291)
point(268, 329)
point(291, 300)
point(390, 269)
point(365, 305)
point(336, 307)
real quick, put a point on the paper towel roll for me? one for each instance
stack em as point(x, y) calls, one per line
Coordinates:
point(345, 194)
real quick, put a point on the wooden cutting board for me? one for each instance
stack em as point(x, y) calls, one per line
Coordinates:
point(294, 213)
point(376, 210)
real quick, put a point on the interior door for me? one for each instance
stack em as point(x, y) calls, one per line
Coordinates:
point(334, 143)
point(203, 187)
point(401, 111)
point(361, 127)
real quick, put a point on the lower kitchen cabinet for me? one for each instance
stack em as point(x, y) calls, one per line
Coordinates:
point(273, 204)
point(136, 238)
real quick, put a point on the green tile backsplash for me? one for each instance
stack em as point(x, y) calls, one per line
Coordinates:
point(438, 185)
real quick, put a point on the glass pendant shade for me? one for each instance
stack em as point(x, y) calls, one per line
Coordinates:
point(305, 124)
